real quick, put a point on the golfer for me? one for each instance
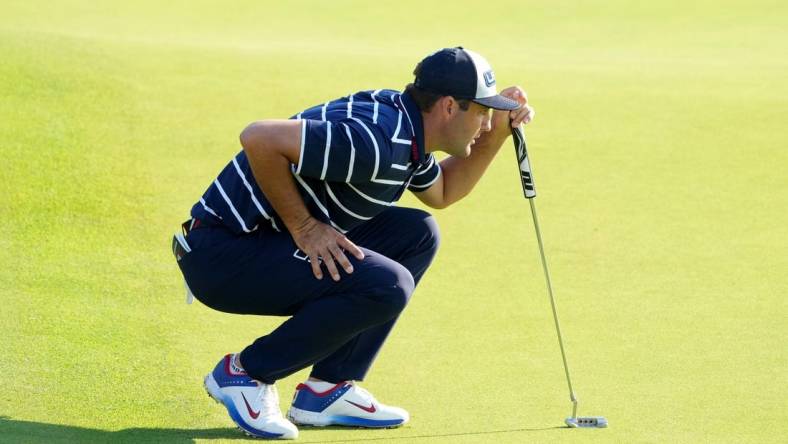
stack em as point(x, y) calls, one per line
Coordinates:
point(302, 223)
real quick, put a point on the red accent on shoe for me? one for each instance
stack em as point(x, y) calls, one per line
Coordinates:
point(227, 358)
point(320, 394)
point(370, 409)
point(252, 413)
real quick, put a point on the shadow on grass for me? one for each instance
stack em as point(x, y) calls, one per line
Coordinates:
point(13, 430)
point(413, 437)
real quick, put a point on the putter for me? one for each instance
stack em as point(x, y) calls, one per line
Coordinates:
point(526, 177)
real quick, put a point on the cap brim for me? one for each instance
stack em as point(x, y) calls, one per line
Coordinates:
point(498, 102)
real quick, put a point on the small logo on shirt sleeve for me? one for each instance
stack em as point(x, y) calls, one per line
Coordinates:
point(489, 78)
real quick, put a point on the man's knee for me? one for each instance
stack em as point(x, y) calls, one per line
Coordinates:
point(432, 233)
point(403, 289)
point(398, 289)
point(425, 229)
point(393, 286)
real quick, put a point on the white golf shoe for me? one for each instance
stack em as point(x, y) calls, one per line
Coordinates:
point(252, 405)
point(345, 404)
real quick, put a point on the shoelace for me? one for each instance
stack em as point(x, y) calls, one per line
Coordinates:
point(363, 392)
point(268, 399)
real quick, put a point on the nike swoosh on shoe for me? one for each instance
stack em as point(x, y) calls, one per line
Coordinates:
point(252, 413)
point(370, 409)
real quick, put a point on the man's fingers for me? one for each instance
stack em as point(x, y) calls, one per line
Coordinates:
point(516, 93)
point(522, 98)
point(529, 114)
point(330, 265)
point(351, 247)
point(314, 260)
point(326, 245)
point(522, 115)
point(339, 255)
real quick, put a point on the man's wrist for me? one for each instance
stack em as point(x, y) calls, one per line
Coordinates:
point(301, 225)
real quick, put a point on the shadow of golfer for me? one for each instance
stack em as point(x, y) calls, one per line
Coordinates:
point(14, 430)
point(304, 437)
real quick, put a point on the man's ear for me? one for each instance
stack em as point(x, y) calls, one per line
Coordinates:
point(448, 106)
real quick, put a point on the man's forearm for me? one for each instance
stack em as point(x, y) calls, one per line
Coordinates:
point(271, 146)
point(460, 175)
point(272, 173)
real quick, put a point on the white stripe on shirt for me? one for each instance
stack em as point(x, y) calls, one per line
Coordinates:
point(427, 168)
point(317, 202)
point(323, 112)
point(352, 153)
point(251, 192)
point(350, 106)
point(375, 107)
point(427, 185)
point(208, 209)
point(395, 137)
point(412, 129)
point(339, 204)
point(230, 204)
point(371, 199)
point(374, 144)
point(387, 181)
point(303, 142)
point(328, 150)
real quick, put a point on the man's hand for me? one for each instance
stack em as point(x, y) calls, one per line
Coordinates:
point(460, 175)
point(271, 147)
point(500, 122)
point(320, 241)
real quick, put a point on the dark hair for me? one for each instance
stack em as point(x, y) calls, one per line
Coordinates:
point(425, 100)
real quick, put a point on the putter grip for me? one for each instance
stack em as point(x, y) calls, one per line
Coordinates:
point(521, 150)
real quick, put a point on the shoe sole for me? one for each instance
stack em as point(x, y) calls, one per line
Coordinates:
point(313, 419)
point(212, 389)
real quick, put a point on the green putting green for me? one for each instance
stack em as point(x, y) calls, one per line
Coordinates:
point(659, 155)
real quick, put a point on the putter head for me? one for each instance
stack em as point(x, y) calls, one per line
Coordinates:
point(587, 421)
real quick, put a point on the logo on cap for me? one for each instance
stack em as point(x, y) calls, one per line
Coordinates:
point(489, 78)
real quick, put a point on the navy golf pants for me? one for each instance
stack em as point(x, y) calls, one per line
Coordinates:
point(336, 327)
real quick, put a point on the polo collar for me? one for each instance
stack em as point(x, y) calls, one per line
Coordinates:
point(413, 114)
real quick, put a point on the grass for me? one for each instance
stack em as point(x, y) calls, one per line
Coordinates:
point(659, 158)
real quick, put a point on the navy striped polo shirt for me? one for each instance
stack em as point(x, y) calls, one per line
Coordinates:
point(358, 155)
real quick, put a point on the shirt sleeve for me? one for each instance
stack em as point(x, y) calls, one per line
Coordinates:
point(349, 150)
point(425, 175)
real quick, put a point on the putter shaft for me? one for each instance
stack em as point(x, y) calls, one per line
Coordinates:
point(529, 192)
point(572, 396)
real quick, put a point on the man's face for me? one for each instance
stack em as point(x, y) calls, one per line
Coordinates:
point(465, 127)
